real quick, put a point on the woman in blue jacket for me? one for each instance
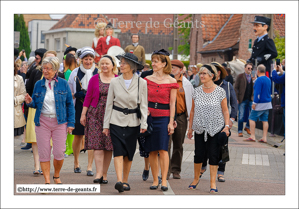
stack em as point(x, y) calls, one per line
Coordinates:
point(54, 117)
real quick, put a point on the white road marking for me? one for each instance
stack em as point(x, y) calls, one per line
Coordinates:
point(255, 159)
point(169, 191)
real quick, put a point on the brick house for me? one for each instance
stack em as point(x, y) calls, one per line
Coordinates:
point(224, 36)
point(78, 30)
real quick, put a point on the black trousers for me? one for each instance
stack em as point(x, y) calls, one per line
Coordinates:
point(210, 148)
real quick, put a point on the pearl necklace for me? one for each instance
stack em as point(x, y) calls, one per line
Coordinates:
point(207, 87)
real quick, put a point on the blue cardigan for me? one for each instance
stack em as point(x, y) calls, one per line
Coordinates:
point(262, 90)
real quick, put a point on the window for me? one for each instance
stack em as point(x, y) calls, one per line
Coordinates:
point(57, 44)
point(42, 37)
point(63, 44)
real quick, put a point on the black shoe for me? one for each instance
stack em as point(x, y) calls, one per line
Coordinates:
point(154, 187)
point(77, 170)
point(119, 186)
point(105, 181)
point(27, 147)
point(99, 181)
point(145, 175)
point(160, 180)
point(83, 150)
point(89, 173)
point(163, 188)
point(127, 188)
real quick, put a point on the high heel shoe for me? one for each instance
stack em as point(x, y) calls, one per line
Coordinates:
point(83, 150)
point(119, 186)
point(56, 178)
point(99, 181)
point(193, 187)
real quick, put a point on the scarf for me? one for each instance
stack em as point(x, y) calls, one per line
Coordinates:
point(108, 39)
point(54, 78)
point(218, 82)
point(87, 76)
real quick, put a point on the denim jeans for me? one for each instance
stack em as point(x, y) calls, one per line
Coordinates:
point(242, 107)
point(283, 119)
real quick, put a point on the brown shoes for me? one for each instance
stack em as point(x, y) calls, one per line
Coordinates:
point(176, 176)
point(240, 134)
point(247, 130)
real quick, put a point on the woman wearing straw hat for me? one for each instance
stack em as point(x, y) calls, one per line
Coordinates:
point(125, 116)
point(78, 82)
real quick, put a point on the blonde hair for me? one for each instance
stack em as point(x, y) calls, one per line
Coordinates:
point(49, 52)
point(19, 62)
point(209, 72)
point(54, 61)
point(114, 69)
point(163, 58)
point(199, 65)
point(99, 26)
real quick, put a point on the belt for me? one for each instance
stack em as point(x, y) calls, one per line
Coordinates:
point(158, 106)
point(180, 114)
point(126, 111)
point(49, 115)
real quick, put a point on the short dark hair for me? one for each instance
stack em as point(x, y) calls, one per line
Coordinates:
point(267, 28)
point(135, 35)
point(248, 63)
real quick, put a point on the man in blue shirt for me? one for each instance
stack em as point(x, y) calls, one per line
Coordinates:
point(261, 103)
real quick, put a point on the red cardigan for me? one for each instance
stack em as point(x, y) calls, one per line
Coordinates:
point(93, 92)
point(102, 47)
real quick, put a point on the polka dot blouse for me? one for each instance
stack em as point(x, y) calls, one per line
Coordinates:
point(208, 116)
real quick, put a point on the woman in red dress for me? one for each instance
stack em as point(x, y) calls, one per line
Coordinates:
point(161, 105)
point(99, 33)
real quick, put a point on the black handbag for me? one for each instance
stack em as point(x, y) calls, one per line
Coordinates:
point(150, 127)
point(138, 105)
point(224, 153)
point(278, 109)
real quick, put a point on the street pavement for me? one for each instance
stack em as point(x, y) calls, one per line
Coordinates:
point(254, 169)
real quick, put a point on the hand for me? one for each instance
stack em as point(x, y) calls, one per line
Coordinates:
point(148, 112)
point(230, 124)
point(28, 99)
point(175, 124)
point(83, 120)
point(226, 130)
point(259, 60)
point(20, 54)
point(79, 94)
point(24, 54)
point(254, 78)
point(253, 106)
point(69, 130)
point(142, 131)
point(238, 101)
point(106, 131)
point(170, 128)
point(189, 134)
point(267, 56)
point(279, 69)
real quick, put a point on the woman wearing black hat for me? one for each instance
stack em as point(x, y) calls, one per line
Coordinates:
point(161, 96)
point(125, 116)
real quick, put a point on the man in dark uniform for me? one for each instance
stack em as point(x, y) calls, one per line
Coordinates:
point(264, 49)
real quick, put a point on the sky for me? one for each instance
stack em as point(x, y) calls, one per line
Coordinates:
point(56, 16)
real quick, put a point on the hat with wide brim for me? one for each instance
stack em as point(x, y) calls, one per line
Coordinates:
point(262, 20)
point(132, 58)
point(221, 68)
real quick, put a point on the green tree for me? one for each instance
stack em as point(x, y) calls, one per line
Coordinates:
point(19, 25)
point(184, 34)
point(280, 45)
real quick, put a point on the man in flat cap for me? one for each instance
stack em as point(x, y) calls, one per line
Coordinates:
point(264, 49)
point(183, 108)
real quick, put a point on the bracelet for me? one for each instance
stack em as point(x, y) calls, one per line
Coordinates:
point(227, 125)
point(231, 120)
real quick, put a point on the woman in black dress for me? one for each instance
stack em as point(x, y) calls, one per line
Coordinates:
point(78, 82)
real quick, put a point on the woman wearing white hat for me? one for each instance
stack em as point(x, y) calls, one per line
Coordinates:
point(78, 82)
